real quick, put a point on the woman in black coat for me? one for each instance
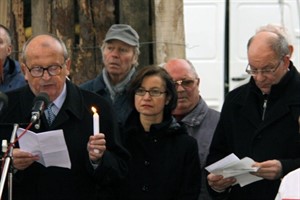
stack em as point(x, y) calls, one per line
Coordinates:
point(165, 163)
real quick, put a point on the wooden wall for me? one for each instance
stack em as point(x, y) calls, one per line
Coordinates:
point(82, 24)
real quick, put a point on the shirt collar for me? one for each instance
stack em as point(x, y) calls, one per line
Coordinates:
point(58, 102)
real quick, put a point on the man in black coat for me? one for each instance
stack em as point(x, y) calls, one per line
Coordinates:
point(46, 65)
point(260, 120)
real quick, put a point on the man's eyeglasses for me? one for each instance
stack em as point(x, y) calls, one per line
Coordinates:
point(185, 83)
point(152, 93)
point(38, 71)
point(267, 71)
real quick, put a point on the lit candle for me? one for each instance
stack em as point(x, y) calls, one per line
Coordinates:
point(96, 124)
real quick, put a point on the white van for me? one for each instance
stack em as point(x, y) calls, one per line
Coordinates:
point(216, 36)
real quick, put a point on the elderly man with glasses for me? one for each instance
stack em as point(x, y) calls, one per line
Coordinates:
point(97, 160)
point(192, 111)
point(260, 120)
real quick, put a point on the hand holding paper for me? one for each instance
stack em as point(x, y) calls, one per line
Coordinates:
point(50, 146)
point(232, 166)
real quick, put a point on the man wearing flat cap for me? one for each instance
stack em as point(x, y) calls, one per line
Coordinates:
point(120, 51)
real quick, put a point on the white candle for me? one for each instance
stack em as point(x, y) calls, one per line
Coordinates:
point(96, 124)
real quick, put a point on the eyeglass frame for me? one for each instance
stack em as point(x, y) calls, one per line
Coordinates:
point(45, 69)
point(150, 92)
point(179, 82)
point(254, 72)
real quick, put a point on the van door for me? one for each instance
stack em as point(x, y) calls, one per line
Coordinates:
point(204, 37)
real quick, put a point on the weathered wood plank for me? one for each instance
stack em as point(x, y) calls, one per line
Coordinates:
point(137, 13)
point(40, 16)
point(95, 17)
point(168, 30)
point(82, 24)
point(17, 25)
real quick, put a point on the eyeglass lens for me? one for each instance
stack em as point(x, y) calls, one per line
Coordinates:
point(184, 83)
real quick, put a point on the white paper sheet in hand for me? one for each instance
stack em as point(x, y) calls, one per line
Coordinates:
point(232, 166)
point(50, 146)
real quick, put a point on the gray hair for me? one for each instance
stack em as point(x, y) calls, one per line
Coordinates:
point(8, 34)
point(277, 29)
point(193, 69)
point(278, 44)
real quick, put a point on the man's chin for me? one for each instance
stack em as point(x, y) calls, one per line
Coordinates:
point(179, 111)
point(265, 90)
point(181, 101)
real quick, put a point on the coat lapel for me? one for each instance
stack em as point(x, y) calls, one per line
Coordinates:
point(73, 105)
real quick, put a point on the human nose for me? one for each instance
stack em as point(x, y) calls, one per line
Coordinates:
point(115, 53)
point(46, 74)
point(259, 76)
point(147, 95)
point(179, 87)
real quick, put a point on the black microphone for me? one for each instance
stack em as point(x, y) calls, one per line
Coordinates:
point(3, 101)
point(40, 102)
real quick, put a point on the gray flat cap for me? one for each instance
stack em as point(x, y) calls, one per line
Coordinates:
point(124, 33)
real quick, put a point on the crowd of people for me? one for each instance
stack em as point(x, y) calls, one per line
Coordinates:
point(156, 133)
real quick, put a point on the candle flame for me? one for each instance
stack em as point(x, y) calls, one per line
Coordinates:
point(94, 109)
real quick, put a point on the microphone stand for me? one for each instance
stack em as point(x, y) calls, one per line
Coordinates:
point(8, 165)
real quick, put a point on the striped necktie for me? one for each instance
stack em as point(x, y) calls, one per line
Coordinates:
point(51, 115)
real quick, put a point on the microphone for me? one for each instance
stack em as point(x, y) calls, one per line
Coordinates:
point(40, 102)
point(3, 101)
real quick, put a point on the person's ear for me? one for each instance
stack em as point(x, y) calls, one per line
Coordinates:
point(9, 49)
point(25, 71)
point(68, 66)
point(291, 48)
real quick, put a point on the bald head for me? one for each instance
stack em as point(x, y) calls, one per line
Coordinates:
point(187, 85)
point(179, 65)
point(279, 30)
point(266, 42)
point(44, 41)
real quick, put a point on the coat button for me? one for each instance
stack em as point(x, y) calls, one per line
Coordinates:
point(258, 137)
point(146, 163)
point(145, 188)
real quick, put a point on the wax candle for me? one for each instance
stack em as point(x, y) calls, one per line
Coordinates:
point(96, 124)
point(95, 120)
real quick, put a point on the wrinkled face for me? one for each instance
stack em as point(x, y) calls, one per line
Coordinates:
point(152, 106)
point(5, 46)
point(261, 57)
point(43, 51)
point(118, 58)
point(187, 86)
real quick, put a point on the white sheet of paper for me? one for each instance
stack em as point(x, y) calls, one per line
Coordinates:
point(50, 146)
point(232, 166)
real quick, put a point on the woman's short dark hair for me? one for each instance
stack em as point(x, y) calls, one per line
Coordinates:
point(154, 70)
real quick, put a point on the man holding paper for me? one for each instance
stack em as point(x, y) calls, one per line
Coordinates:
point(260, 120)
point(46, 65)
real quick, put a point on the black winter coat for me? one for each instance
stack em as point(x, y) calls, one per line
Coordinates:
point(165, 163)
point(241, 130)
point(75, 118)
